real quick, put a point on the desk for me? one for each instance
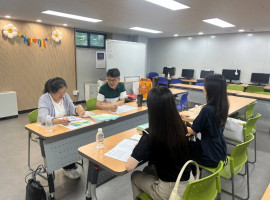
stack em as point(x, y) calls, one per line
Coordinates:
point(189, 81)
point(59, 148)
point(254, 95)
point(186, 86)
point(236, 104)
point(176, 91)
point(97, 159)
point(266, 195)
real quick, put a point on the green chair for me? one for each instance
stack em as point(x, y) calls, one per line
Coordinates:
point(249, 112)
point(91, 104)
point(254, 89)
point(204, 189)
point(266, 93)
point(235, 87)
point(236, 161)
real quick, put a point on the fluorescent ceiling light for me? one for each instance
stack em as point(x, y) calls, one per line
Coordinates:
point(38, 20)
point(145, 30)
point(213, 36)
point(64, 24)
point(175, 35)
point(170, 4)
point(250, 35)
point(60, 14)
point(200, 33)
point(189, 38)
point(241, 30)
point(218, 22)
point(7, 16)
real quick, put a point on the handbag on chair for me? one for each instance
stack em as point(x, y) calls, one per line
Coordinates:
point(175, 194)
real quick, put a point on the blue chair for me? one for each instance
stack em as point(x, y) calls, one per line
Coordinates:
point(199, 84)
point(183, 102)
point(152, 74)
point(175, 80)
point(163, 81)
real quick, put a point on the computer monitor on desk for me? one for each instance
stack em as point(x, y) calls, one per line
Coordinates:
point(259, 78)
point(231, 74)
point(169, 70)
point(205, 73)
point(187, 73)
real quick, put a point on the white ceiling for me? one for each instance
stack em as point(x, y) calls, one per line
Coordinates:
point(119, 15)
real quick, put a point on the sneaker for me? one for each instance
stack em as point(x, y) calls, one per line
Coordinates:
point(72, 173)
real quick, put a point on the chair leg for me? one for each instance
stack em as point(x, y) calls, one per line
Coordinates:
point(29, 138)
point(255, 150)
point(232, 187)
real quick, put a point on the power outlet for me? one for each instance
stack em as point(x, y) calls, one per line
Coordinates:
point(75, 92)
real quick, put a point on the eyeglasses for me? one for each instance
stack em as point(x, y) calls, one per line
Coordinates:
point(112, 80)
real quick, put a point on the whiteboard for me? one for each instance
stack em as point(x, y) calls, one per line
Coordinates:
point(128, 57)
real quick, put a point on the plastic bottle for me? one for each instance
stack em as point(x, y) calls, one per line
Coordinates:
point(196, 109)
point(48, 124)
point(168, 75)
point(100, 139)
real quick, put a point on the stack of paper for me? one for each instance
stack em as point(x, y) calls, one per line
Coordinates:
point(123, 150)
point(124, 108)
point(142, 127)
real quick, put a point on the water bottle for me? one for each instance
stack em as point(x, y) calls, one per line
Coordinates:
point(168, 75)
point(100, 139)
point(196, 109)
point(48, 124)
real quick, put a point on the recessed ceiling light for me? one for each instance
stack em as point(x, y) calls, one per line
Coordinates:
point(170, 4)
point(200, 33)
point(250, 35)
point(175, 35)
point(189, 38)
point(145, 30)
point(213, 36)
point(7, 16)
point(64, 24)
point(218, 22)
point(241, 30)
point(38, 20)
point(60, 14)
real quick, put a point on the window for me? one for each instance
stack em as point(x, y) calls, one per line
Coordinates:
point(90, 40)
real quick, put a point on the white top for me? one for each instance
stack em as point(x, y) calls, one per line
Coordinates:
point(59, 108)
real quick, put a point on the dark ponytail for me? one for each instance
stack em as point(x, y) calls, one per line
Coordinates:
point(54, 84)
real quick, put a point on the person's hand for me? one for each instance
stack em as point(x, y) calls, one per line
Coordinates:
point(80, 111)
point(63, 121)
point(114, 107)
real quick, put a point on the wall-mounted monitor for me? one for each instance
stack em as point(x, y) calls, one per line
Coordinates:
point(97, 40)
point(169, 70)
point(187, 73)
point(231, 74)
point(87, 39)
point(205, 73)
point(259, 78)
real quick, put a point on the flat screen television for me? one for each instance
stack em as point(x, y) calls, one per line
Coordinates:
point(169, 70)
point(205, 73)
point(188, 73)
point(97, 40)
point(231, 74)
point(259, 78)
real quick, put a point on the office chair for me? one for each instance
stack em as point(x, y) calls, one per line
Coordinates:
point(175, 81)
point(163, 81)
point(183, 102)
point(199, 84)
point(91, 104)
point(235, 87)
point(152, 74)
point(253, 89)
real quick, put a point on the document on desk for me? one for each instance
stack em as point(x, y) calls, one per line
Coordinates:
point(76, 122)
point(123, 150)
point(124, 108)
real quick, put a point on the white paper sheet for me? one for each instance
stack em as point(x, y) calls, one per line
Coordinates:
point(123, 150)
point(124, 108)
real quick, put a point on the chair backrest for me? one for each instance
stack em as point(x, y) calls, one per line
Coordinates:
point(250, 126)
point(239, 155)
point(32, 116)
point(253, 89)
point(183, 99)
point(199, 83)
point(91, 104)
point(152, 74)
point(235, 87)
point(162, 80)
point(175, 80)
point(249, 112)
point(266, 93)
point(205, 188)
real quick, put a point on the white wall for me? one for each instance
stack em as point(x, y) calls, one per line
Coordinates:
point(227, 51)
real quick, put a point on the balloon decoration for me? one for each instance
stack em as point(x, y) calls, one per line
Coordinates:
point(11, 31)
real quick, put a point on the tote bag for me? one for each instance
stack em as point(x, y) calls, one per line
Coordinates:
point(175, 194)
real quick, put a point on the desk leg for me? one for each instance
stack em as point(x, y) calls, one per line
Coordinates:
point(92, 177)
point(51, 186)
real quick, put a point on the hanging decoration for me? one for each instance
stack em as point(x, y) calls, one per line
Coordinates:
point(11, 31)
point(57, 35)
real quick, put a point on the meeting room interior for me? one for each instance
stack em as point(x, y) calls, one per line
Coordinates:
point(70, 123)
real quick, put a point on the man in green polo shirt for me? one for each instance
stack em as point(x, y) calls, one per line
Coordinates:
point(113, 93)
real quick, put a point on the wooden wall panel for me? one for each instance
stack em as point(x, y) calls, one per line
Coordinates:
point(26, 69)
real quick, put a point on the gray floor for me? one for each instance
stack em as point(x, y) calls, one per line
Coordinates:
point(13, 165)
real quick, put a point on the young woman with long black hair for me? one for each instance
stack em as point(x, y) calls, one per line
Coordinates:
point(210, 123)
point(164, 144)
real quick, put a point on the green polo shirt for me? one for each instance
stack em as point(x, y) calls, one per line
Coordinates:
point(109, 95)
